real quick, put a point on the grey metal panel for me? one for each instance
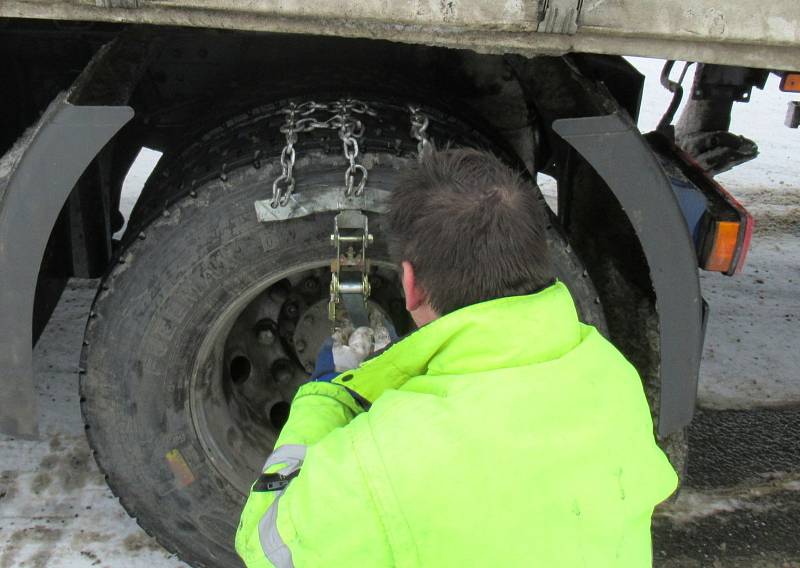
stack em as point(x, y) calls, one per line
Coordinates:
point(302, 204)
point(732, 32)
point(644, 193)
point(38, 181)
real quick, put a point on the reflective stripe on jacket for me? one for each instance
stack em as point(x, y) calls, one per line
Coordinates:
point(506, 434)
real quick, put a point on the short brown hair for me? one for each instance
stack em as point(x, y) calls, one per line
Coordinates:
point(472, 228)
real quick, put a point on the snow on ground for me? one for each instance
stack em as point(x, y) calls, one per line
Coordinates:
point(141, 169)
point(752, 352)
point(760, 120)
point(56, 511)
point(55, 507)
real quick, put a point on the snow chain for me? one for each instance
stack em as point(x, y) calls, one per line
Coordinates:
point(283, 186)
point(350, 286)
point(419, 131)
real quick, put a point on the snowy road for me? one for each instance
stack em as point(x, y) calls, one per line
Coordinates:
point(55, 508)
point(56, 511)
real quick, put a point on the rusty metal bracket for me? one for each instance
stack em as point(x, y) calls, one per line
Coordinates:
point(320, 200)
point(560, 16)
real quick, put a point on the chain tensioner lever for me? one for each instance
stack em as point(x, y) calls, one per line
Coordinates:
point(350, 269)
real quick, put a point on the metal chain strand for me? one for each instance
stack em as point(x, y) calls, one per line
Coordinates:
point(419, 131)
point(350, 128)
point(300, 119)
point(283, 186)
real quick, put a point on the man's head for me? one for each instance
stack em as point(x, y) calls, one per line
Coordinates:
point(466, 229)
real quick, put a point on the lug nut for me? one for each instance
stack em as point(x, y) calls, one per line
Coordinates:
point(279, 291)
point(282, 371)
point(265, 331)
point(266, 337)
point(310, 285)
point(291, 309)
point(300, 345)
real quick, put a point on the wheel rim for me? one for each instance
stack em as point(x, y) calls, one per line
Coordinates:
point(258, 351)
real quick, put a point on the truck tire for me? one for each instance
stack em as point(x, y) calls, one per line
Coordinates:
point(206, 325)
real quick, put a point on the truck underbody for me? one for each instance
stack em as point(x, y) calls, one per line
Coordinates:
point(200, 289)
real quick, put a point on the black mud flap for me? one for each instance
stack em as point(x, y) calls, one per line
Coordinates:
point(36, 177)
point(620, 155)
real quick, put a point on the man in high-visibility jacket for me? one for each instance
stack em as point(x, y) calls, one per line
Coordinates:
point(503, 432)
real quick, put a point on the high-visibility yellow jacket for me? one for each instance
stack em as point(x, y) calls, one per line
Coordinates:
point(503, 434)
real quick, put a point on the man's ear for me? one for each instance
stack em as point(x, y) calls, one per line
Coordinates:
point(415, 296)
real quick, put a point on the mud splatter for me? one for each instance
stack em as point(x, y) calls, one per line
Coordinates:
point(75, 469)
point(91, 556)
point(44, 537)
point(87, 537)
point(49, 461)
point(139, 542)
point(782, 222)
point(8, 485)
point(41, 482)
point(55, 443)
point(40, 558)
point(70, 470)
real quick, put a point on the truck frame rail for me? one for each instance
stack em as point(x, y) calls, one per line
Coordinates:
point(731, 32)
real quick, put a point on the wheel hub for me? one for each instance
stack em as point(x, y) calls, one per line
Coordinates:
point(259, 355)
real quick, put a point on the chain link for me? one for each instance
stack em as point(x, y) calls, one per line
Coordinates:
point(299, 119)
point(283, 186)
point(351, 128)
point(419, 130)
point(350, 225)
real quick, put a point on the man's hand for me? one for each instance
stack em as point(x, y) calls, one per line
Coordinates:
point(343, 351)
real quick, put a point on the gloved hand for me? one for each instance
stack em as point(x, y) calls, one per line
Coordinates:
point(345, 351)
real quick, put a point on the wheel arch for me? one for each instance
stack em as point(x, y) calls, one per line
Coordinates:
point(140, 70)
point(42, 172)
point(625, 223)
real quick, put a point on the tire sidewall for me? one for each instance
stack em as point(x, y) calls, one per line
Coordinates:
point(155, 309)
